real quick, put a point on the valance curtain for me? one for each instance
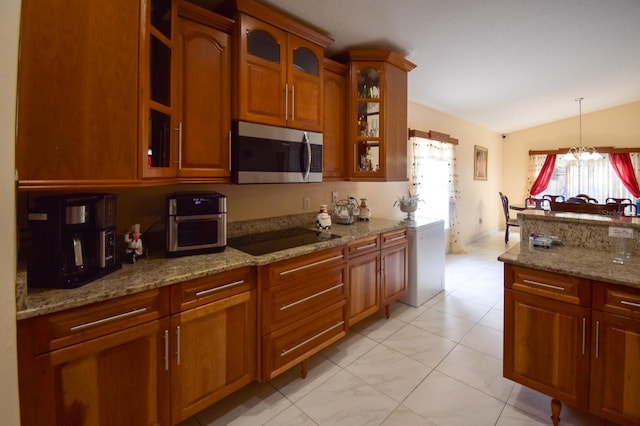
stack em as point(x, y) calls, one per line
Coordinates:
point(544, 177)
point(429, 157)
point(623, 167)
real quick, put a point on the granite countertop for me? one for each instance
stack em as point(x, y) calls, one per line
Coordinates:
point(578, 261)
point(154, 272)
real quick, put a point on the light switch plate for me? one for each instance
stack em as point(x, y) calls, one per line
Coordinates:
point(620, 232)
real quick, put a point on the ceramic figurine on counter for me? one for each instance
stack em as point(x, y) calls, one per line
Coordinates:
point(134, 250)
point(323, 219)
point(365, 211)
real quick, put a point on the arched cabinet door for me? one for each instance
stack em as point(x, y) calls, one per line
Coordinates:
point(279, 78)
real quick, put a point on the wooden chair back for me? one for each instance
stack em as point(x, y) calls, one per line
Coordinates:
point(536, 203)
point(554, 197)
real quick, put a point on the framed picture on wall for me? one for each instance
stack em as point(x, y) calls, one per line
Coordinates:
point(480, 159)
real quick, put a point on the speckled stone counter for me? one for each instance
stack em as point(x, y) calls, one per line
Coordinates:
point(154, 272)
point(584, 250)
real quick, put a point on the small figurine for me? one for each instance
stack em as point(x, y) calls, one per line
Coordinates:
point(134, 250)
point(323, 219)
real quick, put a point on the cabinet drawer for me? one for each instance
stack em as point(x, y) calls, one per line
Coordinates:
point(76, 325)
point(616, 299)
point(301, 266)
point(393, 238)
point(289, 302)
point(555, 286)
point(199, 291)
point(364, 245)
point(298, 341)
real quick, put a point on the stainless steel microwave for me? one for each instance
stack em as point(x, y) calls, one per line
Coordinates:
point(196, 223)
point(270, 154)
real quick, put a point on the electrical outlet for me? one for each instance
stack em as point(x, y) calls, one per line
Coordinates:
point(334, 196)
point(306, 203)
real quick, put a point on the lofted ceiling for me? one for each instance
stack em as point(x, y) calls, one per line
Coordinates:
point(503, 64)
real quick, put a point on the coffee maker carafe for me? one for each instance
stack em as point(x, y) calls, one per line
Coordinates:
point(72, 240)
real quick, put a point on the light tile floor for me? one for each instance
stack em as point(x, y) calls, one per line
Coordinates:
point(439, 364)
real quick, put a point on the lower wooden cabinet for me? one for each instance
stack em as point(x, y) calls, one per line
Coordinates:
point(129, 361)
point(213, 340)
point(303, 310)
point(378, 273)
point(109, 372)
point(615, 356)
point(573, 339)
point(395, 271)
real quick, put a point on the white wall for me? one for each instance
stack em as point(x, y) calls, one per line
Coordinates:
point(618, 127)
point(478, 199)
point(9, 23)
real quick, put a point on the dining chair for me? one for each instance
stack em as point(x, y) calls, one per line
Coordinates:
point(557, 198)
point(626, 207)
point(508, 221)
point(537, 203)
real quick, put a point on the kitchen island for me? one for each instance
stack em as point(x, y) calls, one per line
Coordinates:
point(572, 315)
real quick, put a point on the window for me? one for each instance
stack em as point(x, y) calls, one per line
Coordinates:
point(594, 177)
point(432, 178)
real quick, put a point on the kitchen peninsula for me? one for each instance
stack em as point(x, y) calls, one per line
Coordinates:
point(572, 315)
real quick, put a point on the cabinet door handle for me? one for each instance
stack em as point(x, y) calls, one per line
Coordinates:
point(299, 345)
point(166, 350)
point(108, 319)
point(179, 130)
point(220, 288)
point(365, 247)
point(402, 237)
point(584, 331)
point(320, 293)
point(597, 338)
point(632, 304)
point(293, 102)
point(178, 345)
point(286, 101)
point(553, 287)
point(311, 265)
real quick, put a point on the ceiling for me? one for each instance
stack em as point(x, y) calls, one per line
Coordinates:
point(503, 64)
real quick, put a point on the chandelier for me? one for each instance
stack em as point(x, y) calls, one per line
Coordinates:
point(580, 152)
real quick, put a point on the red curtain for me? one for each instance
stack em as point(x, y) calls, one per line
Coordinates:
point(621, 164)
point(542, 181)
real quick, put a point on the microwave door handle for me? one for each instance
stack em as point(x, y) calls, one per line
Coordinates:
point(308, 145)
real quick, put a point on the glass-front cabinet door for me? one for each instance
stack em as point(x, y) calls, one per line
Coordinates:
point(158, 129)
point(368, 131)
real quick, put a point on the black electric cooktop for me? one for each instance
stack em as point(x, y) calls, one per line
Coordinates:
point(269, 242)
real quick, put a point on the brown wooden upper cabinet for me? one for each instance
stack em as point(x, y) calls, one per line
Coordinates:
point(184, 131)
point(278, 69)
point(77, 117)
point(377, 115)
point(114, 93)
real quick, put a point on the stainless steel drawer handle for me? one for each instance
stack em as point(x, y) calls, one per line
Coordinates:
point(553, 287)
point(311, 265)
point(178, 345)
point(109, 319)
point(597, 339)
point(396, 239)
point(299, 345)
point(220, 288)
point(166, 350)
point(635, 305)
point(320, 293)
point(366, 247)
point(584, 334)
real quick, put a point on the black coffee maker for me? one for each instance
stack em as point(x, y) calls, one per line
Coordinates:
point(73, 240)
